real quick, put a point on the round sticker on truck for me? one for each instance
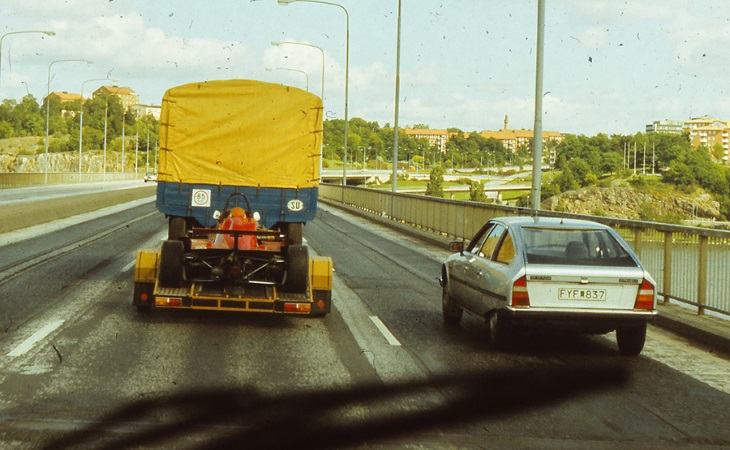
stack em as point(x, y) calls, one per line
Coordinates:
point(295, 205)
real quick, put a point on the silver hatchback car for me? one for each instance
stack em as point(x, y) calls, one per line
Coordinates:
point(565, 274)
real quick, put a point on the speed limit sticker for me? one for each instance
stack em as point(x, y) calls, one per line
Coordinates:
point(201, 198)
point(295, 205)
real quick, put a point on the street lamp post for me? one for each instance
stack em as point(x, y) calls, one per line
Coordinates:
point(347, 72)
point(394, 176)
point(321, 156)
point(291, 70)
point(81, 116)
point(106, 115)
point(537, 136)
point(308, 45)
point(48, 106)
point(47, 33)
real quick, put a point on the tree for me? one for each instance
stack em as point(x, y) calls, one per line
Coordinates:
point(435, 187)
point(566, 181)
point(581, 170)
point(476, 191)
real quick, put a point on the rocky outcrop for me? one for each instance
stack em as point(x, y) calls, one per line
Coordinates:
point(627, 203)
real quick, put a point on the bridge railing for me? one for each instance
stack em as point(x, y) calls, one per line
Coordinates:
point(691, 265)
point(35, 179)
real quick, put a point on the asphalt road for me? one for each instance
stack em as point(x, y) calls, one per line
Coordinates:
point(82, 368)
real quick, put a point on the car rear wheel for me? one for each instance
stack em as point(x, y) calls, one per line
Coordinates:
point(452, 313)
point(631, 339)
point(498, 331)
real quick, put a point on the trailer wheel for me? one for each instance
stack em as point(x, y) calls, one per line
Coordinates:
point(177, 228)
point(297, 269)
point(294, 233)
point(171, 263)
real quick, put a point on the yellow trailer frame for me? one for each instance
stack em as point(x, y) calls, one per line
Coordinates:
point(148, 294)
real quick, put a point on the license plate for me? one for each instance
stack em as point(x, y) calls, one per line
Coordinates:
point(581, 294)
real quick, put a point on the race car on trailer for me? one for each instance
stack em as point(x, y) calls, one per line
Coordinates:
point(238, 178)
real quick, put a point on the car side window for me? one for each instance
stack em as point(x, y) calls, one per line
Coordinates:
point(490, 243)
point(506, 252)
point(478, 241)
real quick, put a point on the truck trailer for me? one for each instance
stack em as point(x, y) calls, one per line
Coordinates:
point(238, 178)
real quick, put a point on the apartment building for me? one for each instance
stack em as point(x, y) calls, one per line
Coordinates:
point(147, 110)
point(513, 139)
point(708, 132)
point(66, 97)
point(665, 126)
point(436, 138)
point(125, 94)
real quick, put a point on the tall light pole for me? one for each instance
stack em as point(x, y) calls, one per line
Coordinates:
point(308, 45)
point(537, 137)
point(321, 145)
point(394, 176)
point(48, 105)
point(47, 33)
point(106, 115)
point(81, 116)
point(347, 72)
point(291, 70)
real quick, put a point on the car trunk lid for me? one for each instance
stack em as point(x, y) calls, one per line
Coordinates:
point(583, 287)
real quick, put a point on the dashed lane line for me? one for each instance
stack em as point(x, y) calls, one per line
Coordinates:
point(35, 338)
point(385, 331)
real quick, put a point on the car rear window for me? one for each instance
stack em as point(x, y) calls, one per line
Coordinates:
point(585, 247)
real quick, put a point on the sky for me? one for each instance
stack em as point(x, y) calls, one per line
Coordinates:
point(610, 66)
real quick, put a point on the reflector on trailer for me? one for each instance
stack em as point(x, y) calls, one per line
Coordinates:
point(297, 307)
point(168, 301)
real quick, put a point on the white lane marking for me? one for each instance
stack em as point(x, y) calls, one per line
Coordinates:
point(129, 266)
point(385, 331)
point(37, 336)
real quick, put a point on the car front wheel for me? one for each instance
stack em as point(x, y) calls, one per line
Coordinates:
point(452, 313)
point(631, 339)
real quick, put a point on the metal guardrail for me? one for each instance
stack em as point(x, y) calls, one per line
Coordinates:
point(691, 265)
point(35, 179)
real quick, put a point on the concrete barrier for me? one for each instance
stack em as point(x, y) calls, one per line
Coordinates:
point(23, 215)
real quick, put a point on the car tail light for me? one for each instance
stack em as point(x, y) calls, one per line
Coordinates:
point(645, 297)
point(519, 293)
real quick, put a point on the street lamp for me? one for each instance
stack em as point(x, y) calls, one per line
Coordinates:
point(48, 104)
point(308, 45)
point(81, 116)
point(537, 136)
point(394, 176)
point(47, 33)
point(291, 70)
point(321, 158)
point(347, 72)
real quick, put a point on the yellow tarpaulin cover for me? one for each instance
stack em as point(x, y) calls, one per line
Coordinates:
point(242, 133)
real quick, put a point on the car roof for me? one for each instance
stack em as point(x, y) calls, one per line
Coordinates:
point(548, 222)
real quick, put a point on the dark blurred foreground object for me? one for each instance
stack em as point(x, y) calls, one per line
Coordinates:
point(243, 418)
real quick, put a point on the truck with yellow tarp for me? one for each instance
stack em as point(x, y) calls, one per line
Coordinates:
point(238, 178)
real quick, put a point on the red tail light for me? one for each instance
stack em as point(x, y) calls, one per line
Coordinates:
point(519, 293)
point(645, 297)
